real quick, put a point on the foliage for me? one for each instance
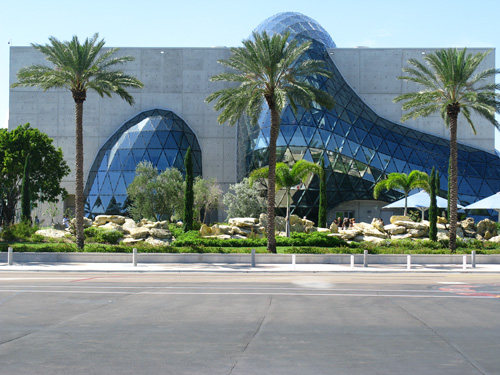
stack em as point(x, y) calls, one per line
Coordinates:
point(433, 209)
point(243, 201)
point(25, 193)
point(101, 235)
point(155, 196)
point(269, 70)
point(402, 181)
point(451, 85)
point(206, 196)
point(287, 178)
point(47, 169)
point(18, 232)
point(79, 67)
point(189, 193)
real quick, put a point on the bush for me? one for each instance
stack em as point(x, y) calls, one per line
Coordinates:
point(20, 232)
point(101, 235)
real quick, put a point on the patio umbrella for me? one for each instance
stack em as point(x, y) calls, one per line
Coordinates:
point(489, 203)
point(422, 201)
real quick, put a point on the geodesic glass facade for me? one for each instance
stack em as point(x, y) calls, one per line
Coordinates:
point(158, 136)
point(359, 147)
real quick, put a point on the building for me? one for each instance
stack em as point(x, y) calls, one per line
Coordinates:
point(360, 140)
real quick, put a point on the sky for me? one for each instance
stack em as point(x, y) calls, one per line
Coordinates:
point(208, 23)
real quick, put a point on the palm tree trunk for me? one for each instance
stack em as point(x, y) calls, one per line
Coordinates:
point(453, 115)
point(271, 191)
point(406, 204)
point(288, 212)
point(79, 171)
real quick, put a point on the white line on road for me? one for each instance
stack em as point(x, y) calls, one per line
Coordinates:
point(247, 293)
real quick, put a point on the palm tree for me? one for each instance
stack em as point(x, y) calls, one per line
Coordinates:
point(402, 181)
point(79, 67)
point(268, 70)
point(451, 86)
point(287, 178)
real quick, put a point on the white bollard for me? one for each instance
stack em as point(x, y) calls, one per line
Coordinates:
point(134, 257)
point(408, 262)
point(352, 261)
point(473, 258)
point(465, 262)
point(293, 261)
point(252, 258)
point(9, 256)
point(365, 260)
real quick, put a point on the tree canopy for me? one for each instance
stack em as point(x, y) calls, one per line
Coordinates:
point(47, 169)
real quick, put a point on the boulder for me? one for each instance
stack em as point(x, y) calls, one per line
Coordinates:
point(139, 232)
point(469, 233)
point(494, 239)
point(205, 231)
point(103, 219)
point(295, 219)
point(128, 240)
point(443, 236)
point(242, 231)
point(224, 237)
point(363, 238)
point(443, 220)
point(297, 227)
point(394, 229)
point(160, 233)
point(401, 236)
point(487, 225)
point(348, 234)
point(400, 218)
point(334, 228)
point(243, 222)
point(221, 229)
point(308, 223)
point(411, 224)
point(157, 242)
point(128, 225)
point(369, 230)
point(280, 223)
point(441, 226)
point(238, 237)
point(417, 233)
point(460, 232)
point(321, 230)
point(52, 233)
point(489, 235)
point(376, 223)
point(468, 224)
point(112, 226)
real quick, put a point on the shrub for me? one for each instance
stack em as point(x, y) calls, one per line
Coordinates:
point(101, 235)
point(21, 231)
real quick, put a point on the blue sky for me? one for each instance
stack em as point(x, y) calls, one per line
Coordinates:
point(204, 23)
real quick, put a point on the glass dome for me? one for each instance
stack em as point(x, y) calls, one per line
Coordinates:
point(158, 136)
point(300, 27)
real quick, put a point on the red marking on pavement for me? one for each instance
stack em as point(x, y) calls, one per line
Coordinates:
point(97, 277)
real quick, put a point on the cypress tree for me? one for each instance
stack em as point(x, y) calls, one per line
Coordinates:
point(433, 207)
point(322, 196)
point(25, 193)
point(189, 194)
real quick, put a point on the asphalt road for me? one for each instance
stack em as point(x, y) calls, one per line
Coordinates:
point(79, 323)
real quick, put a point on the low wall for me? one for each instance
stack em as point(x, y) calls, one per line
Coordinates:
point(243, 258)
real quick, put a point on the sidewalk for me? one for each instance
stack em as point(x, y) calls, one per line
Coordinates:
point(244, 268)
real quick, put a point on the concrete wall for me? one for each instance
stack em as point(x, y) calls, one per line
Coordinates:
point(176, 79)
point(373, 72)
